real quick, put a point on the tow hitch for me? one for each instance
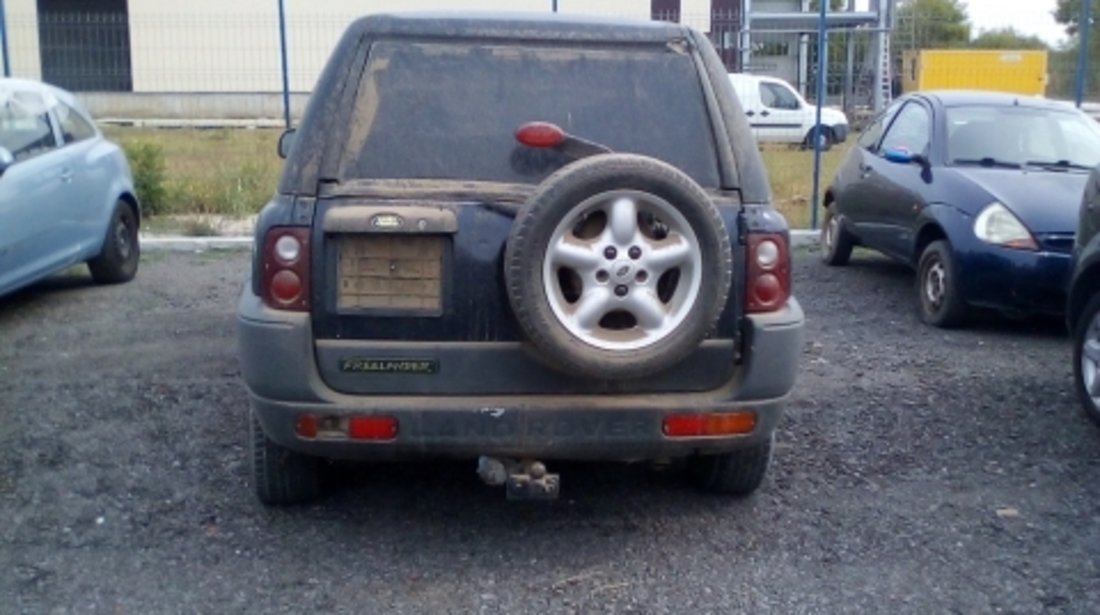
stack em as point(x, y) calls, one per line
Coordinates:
point(522, 480)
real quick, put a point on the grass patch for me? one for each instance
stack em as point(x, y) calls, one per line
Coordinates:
point(224, 172)
point(234, 172)
point(791, 171)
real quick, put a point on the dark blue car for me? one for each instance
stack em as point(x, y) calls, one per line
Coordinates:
point(979, 192)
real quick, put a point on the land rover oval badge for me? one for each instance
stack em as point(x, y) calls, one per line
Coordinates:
point(387, 222)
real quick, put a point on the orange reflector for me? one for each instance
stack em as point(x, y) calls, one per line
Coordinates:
point(372, 428)
point(715, 424)
point(306, 427)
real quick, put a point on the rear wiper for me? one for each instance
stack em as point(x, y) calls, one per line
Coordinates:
point(989, 162)
point(1059, 164)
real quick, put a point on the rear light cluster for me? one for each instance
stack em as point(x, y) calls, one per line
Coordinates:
point(286, 268)
point(712, 424)
point(768, 285)
point(376, 428)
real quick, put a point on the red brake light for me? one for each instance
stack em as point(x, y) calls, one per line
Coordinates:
point(372, 428)
point(768, 284)
point(541, 135)
point(286, 268)
point(711, 424)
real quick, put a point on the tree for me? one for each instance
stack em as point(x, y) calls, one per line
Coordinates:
point(1007, 38)
point(932, 24)
point(1068, 13)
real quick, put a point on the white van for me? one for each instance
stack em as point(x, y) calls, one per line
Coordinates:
point(779, 114)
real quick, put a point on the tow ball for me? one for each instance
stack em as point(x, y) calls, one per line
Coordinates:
point(525, 479)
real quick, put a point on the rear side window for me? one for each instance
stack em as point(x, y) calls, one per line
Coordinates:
point(25, 129)
point(73, 125)
point(450, 111)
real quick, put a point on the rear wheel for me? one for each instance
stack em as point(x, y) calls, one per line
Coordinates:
point(738, 473)
point(941, 302)
point(1086, 359)
point(118, 261)
point(825, 139)
point(836, 243)
point(279, 475)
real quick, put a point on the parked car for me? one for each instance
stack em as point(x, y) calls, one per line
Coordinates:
point(434, 281)
point(977, 191)
point(66, 193)
point(779, 114)
point(1083, 309)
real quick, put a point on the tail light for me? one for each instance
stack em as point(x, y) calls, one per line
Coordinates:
point(286, 268)
point(768, 285)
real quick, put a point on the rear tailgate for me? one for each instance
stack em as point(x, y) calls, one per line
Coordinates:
point(411, 300)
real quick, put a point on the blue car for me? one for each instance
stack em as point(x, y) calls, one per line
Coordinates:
point(66, 193)
point(978, 192)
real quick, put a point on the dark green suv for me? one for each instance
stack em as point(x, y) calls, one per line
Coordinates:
point(1084, 300)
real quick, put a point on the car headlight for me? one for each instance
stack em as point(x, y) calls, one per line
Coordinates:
point(999, 226)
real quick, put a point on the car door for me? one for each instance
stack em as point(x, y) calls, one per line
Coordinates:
point(893, 192)
point(33, 221)
point(782, 117)
point(84, 194)
point(852, 178)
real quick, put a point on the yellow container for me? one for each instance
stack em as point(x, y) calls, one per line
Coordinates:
point(1021, 72)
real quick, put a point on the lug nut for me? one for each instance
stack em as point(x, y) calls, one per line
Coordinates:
point(635, 252)
point(610, 252)
point(641, 277)
point(621, 290)
point(602, 276)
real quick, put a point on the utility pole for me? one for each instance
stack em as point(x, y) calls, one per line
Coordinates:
point(822, 65)
point(286, 67)
point(1084, 29)
point(4, 38)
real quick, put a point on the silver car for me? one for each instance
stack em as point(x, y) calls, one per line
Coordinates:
point(66, 192)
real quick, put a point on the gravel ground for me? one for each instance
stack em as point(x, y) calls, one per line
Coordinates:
point(918, 471)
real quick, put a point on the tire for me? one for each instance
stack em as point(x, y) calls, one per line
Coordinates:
point(118, 262)
point(281, 476)
point(538, 296)
point(827, 139)
point(738, 473)
point(836, 242)
point(944, 306)
point(1088, 329)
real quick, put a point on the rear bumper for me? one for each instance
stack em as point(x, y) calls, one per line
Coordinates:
point(278, 365)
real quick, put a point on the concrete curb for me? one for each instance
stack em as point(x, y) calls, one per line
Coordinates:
point(799, 239)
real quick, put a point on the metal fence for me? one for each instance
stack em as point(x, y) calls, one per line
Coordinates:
point(231, 52)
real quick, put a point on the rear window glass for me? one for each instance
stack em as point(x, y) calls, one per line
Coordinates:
point(450, 111)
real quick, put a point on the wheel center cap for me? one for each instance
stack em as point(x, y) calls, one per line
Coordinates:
point(622, 271)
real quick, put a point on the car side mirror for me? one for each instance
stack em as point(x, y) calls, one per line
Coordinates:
point(286, 141)
point(904, 156)
point(6, 159)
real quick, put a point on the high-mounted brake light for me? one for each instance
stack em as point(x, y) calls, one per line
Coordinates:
point(286, 268)
point(768, 284)
point(543, 135)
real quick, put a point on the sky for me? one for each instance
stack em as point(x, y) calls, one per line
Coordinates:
point(1027, 16)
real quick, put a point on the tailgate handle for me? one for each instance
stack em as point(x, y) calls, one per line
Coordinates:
point(389, 220)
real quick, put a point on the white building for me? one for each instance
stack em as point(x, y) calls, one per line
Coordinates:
point(166, 53)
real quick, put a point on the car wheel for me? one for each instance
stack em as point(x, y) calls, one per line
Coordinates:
point(1086, 359)
point(825, 139)
point(941, 303)
point(281, 476)
point(836, 242)
point(118, 261)
point(617, 267)
point(738, 473)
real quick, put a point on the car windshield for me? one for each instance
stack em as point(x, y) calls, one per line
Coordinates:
point(1015, 137)
point(450, 110)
